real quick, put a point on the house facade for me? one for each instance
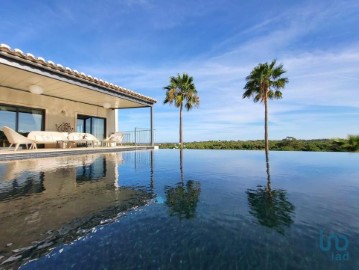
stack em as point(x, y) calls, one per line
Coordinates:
point(36, 94)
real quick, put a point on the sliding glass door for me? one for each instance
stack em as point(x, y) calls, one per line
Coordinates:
point(94, 125)
point(98, 128)
point(21, 119)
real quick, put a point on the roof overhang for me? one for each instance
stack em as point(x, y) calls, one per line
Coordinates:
point(18, 74)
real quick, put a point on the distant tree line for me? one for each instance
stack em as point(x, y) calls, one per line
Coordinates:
point(351, 144)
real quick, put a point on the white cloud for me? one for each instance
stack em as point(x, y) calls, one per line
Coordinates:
point(326, 77)
point(316, 78)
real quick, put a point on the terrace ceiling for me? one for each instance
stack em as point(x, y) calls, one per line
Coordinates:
point(21, 80)
point(18, 71)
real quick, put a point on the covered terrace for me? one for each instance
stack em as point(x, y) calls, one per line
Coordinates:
point(39, 95)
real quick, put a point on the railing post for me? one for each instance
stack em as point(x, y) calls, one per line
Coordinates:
point(135, 136)
point(152, 139)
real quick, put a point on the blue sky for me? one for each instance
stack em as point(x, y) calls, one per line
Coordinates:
point(139, 44)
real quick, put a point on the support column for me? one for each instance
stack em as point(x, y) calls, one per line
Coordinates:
point(111, 122)
point(116, 120)
point(152, 135)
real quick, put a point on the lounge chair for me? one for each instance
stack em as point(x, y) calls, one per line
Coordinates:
point(114, 138)
point(15, 138)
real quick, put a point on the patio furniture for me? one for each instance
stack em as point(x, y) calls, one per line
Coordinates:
point(62, 143)
point(76, 138)
point(15, 138)
point(115, 138)
point(49, 137)
point(63, 139)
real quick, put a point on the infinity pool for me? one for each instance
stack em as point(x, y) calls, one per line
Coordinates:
point(202, 209)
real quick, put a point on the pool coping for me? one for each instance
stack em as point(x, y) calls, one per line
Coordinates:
point(55, 152)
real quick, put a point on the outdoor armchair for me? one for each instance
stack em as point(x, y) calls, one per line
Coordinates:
point(114, 138)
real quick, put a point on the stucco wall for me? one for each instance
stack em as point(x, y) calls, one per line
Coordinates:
point(58, 110)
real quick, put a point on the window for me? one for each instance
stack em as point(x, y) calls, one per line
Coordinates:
point(21, 119)
point(80, 127)
point(94, 125)
point(29, 120)
point(8, 117)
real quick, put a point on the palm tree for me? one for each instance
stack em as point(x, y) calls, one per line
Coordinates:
point(263, 83)
point(181, 89)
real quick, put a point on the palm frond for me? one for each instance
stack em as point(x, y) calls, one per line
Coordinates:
point(180, 89)
point(280, 83)
point(257, 98)
point(278, 94)
point(265, 80)
point(270, 94)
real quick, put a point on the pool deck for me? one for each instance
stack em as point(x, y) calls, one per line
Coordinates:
point(6, 154)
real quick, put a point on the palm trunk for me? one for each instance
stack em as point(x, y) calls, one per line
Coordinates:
point(266, 143)
point(266, 123)
point(180, 128)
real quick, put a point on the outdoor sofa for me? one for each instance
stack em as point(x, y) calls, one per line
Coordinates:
point(63, 138)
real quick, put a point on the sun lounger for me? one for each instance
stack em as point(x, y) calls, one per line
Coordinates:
point(15, 138)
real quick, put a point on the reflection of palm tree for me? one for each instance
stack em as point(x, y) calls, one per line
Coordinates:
point(183, 198)
point(271, 207)
point(181, 165)
point(152, 185)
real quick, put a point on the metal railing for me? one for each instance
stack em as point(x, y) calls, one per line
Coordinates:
point(138, 159)
point(139, 136)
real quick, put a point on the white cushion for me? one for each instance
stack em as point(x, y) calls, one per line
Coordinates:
point(47, 136)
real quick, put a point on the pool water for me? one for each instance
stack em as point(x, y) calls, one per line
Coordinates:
point(199, 209)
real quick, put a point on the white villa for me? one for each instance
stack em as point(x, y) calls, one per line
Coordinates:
point(39, 95)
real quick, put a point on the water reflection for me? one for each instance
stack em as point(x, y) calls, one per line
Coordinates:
point(222, 235)
point(52, 199)
point(182, 199)
point(25, 177)
point(271, 207)
point(90, 172)
point(152, 176)
point(22, 185)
